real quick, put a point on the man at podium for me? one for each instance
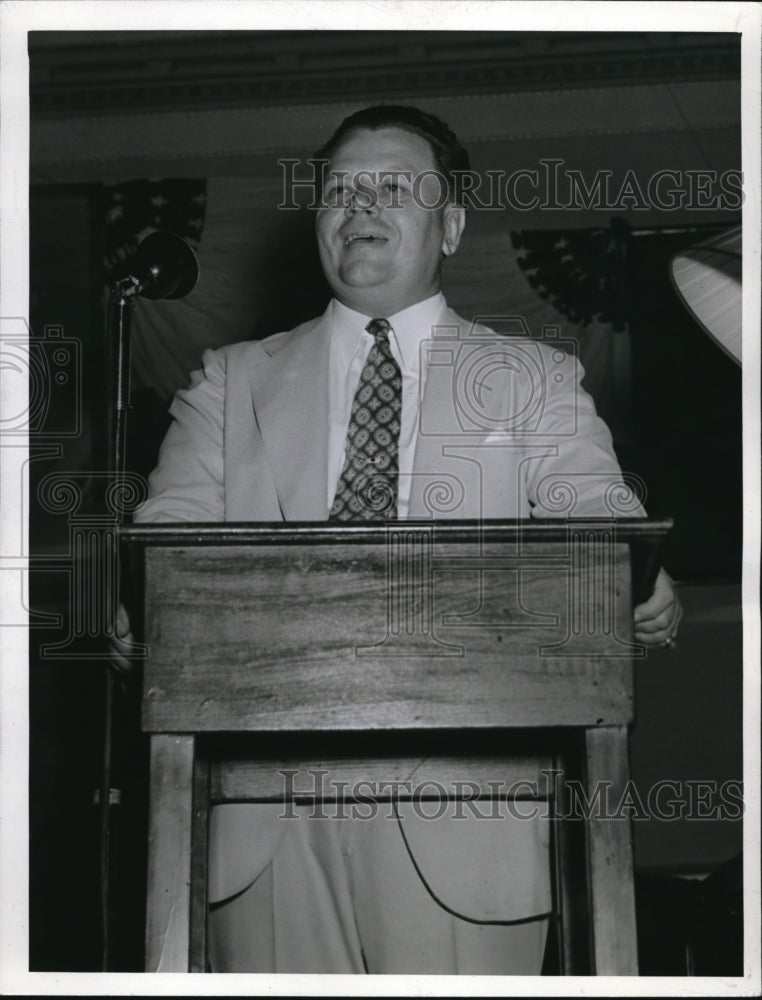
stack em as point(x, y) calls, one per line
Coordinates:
point(376, 410)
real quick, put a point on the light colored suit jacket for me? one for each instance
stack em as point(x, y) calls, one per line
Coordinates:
point(505, 431)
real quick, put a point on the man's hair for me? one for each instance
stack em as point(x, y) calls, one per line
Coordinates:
point(449, 155)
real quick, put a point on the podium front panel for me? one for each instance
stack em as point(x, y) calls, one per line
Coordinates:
point(403, 634)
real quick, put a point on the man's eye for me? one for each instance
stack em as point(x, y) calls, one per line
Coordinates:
point(337, 194)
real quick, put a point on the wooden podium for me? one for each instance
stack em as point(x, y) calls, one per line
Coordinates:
point(362, 651)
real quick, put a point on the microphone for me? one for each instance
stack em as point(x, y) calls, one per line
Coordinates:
point(164, 267)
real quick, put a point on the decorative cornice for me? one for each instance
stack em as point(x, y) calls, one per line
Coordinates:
point(82, 73)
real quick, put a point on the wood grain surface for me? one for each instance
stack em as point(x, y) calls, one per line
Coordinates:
point(169, 854)
point(405, 634)
point(400, 778)
point(614, 929)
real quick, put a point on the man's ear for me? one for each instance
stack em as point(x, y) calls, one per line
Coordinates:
point(454, 224)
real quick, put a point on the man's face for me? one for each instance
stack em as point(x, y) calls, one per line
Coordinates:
point(380, 246)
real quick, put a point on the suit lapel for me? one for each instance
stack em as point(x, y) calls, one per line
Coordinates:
point(289, 391)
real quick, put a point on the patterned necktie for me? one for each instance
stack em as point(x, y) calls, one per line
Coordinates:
point(368, 485)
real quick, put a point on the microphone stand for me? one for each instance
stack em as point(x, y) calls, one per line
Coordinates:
point(123, 299)
point(121, 303)
point(164, 267)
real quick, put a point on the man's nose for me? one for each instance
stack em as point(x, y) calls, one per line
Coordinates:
point(361, 201)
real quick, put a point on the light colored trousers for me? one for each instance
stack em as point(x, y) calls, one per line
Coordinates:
point(341, 895)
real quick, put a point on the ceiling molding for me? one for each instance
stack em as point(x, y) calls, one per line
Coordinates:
point(83, 146)
point(97, 73)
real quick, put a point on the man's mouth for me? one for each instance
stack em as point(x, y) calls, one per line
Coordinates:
point(363, 238)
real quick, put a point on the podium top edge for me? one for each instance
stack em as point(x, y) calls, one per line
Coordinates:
point(627, 530)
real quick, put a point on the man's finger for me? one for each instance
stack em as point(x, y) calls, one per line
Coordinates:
point(656, 631)
point(121, 643)
point(662, 598)
point(122, 622)
point(655, 605)
point(662, 622)
point(652, 639)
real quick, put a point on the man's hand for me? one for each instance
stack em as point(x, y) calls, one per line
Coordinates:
point(657, 619)
point(121, 643)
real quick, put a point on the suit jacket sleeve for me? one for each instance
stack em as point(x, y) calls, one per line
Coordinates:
point(188, 481)
point(579, 474)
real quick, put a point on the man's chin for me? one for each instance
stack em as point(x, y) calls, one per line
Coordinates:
point(370, 300)
point(364, 274)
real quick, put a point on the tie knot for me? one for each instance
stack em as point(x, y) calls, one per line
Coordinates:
point(378, 328)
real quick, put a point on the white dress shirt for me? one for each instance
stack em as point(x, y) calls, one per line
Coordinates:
point(350, 346)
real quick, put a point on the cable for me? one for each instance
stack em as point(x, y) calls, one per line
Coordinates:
point(549, 915)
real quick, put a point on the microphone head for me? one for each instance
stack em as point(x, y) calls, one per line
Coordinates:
point(164, 266)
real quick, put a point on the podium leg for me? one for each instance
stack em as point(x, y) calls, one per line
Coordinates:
point(199, 904)
point(612, 884)
point(168, 910)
